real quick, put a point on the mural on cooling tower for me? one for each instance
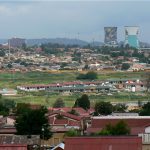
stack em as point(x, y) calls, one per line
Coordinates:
point(110, 35)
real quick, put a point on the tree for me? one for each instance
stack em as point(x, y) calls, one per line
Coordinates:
point(59, 103)
point(125, 66)
point(6, 106)
point(119, 108)
point(72, 132)
point(91, 75)
point(22, 108)
point(9, 66)
point(2, 53)
point(83, 102)
point(121, 128)
point(147, 81)
point(145, 111)
point(103, 108)
point(33, 122)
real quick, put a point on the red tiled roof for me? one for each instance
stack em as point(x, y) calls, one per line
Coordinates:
point(74, 123)
point(79, 110)
point(60, 121)
point(8, 130)
point(67, 115)
point(104, 143)
point(63, 124)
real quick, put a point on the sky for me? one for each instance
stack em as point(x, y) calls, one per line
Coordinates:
point(72, 18)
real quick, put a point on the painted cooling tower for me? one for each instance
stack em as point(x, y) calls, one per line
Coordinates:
point(110, 35)
point(131, 36)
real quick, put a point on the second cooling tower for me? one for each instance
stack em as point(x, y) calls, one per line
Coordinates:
point(131, 36)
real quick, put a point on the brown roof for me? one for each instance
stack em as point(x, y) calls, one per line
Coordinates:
point(79, 110)
point(137, 124)
point(64, 123)
point(11, 130)
point(19, 139)
point(67, 115)
point(13, 147)
point(104, 143)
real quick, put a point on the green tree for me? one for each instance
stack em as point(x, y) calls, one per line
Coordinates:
point(125, 66)
point(88, 76)
point(59, 103)
point(31, 122)
point(2, 53)
point(72, 133)
point(91, 75)
point(9, 66)
point(145, 111)
point(103, 108)
point(83, 102)
point(119, 108)
point(6, 106)
point(147, 81)
point(22, 108)
point(121, 128)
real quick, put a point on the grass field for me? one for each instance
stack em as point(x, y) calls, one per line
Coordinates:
point(49, 99)
point(9, 80)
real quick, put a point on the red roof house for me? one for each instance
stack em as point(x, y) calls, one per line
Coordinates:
point(62, 121)
point(137, 124)
point(82, 112)
point(104, 143)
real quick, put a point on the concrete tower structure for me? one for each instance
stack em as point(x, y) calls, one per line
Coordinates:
point(110, 36)
point(131, 36)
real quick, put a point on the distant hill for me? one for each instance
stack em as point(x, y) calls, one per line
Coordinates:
point(144, 45)
point(67, 41)
point(3, 41)
point(64, 41)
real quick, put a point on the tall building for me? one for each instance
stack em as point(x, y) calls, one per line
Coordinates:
point(131, 36)
point(110, 36)
point(16, 42)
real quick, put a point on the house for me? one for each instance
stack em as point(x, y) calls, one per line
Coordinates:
point(137, 67)
point(80, 111)
point(60, 123)
point(134, 86)
point(7, 125)
point(18, 142)
point(137, 124)
point(104, 143)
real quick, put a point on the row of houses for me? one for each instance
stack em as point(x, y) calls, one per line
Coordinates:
point(93, 86)
point(62, 121)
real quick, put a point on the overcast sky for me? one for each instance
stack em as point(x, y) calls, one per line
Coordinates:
point(72, 19)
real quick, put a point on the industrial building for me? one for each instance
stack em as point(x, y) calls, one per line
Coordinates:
point(131, 36)
point(110, 36)
point(16, 42)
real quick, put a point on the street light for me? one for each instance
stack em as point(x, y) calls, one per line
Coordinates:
point(43, 135)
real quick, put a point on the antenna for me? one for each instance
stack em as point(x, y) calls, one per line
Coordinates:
point(78, 35)
point(9, 49)
point(93, 40)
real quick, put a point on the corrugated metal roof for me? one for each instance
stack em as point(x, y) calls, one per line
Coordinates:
point(104, 143)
